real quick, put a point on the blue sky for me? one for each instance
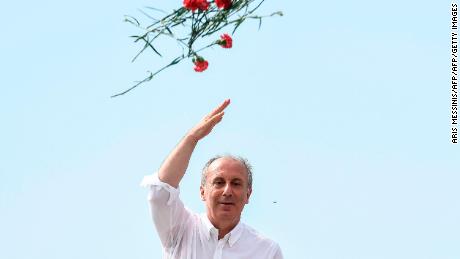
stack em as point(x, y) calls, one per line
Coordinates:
point(341, 106)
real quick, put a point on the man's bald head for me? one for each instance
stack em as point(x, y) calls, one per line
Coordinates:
point(244, 163)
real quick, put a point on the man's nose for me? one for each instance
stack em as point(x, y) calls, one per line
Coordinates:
point(228, 190)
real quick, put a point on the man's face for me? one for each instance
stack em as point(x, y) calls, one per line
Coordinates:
point(226, 190)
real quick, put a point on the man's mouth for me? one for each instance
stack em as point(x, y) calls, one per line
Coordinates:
point(227, 203)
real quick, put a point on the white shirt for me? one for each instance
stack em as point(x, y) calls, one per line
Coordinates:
point(187, 235)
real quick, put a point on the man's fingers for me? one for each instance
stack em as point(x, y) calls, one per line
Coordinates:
point(208, 122)
point(220, 108)
point(211, 122)
point(219, 116)
point(216, 118)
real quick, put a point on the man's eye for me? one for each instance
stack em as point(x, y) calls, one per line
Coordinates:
point(237, 184)
point(218, 182)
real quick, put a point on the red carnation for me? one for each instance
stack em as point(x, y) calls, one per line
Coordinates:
point(225, 4)
point(203, 5)
point(200, 64)
point(225, 41)
point(196, 4)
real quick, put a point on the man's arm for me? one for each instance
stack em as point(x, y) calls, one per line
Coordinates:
point(173, 168)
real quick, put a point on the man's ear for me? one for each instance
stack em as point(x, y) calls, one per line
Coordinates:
point(249, 195)
point(202, 193)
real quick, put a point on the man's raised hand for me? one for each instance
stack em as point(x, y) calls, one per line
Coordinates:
point(205, 126)
point(173, 168)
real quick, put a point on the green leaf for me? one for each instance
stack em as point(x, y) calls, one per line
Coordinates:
point(130, 18)
point(146, 14)
point(155, 9)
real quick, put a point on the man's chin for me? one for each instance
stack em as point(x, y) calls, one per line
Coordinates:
point(227, 214)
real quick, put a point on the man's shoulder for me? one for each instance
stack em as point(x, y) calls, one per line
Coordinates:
point(255, 236)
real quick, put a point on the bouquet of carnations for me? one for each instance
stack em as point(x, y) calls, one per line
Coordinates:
point(196, 20)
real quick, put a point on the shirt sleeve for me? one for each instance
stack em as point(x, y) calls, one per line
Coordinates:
point(169, 214)
point(278, 254)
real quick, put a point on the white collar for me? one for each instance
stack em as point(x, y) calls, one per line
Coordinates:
point(232, 236)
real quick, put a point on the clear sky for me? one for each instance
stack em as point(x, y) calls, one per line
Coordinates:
point(341, 106)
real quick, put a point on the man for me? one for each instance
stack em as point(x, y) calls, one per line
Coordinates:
point(225, 188)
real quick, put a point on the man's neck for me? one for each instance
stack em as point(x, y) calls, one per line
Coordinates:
point(224, 227)
point(225, 231)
